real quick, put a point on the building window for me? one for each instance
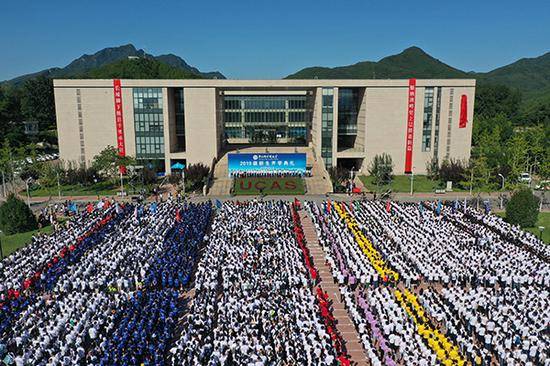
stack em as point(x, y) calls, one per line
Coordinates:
point(267, 118)
point(348, 100)
point(427, 119)
point(180, 119)
point(326, 125)
point(149, 122)
point(437, 123)
point(450, 124)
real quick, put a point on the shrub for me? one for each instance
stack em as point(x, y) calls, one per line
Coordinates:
point(149, 176)
point(79, 176)
point(452, 170)
point(48, 174)
point(16, 216)
point(174, 178)
point(338, 176)
point(29, 171)
point(195, 176)
point(432, 168)
point(381, 169)
point(523, 208)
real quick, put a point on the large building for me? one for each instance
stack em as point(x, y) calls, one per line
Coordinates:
point(342, 122)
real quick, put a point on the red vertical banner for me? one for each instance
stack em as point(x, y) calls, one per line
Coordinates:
point(463, 121)
point(410, 126)
point(119, 120)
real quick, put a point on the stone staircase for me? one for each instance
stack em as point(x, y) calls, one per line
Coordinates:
point(319, 182)
point(221, 183)
point(344, 325)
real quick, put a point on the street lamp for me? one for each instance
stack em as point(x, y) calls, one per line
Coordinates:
point(58, 186)
point(27, 183)
point(95, 187)
point(412, 182)
point(502, 176)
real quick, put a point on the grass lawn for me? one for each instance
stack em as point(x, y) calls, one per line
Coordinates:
point(106, 188)
point(10, 243)
point(402, 183)
point(544, 220)
point(271, 186)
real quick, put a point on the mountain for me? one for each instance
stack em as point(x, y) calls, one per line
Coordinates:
point(106, 56)
point(141, 68)
point(529, 75)
point(178, 62)
point(412, 62)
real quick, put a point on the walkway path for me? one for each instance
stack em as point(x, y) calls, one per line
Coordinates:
point(345, 326)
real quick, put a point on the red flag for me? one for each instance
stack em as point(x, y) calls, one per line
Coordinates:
point(388, 206)
point(463, 121)
point(178, 217)
point(328, 206)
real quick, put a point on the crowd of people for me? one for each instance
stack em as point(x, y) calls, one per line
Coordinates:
point(471, 287)
point(235, 284)
point(111, 292)
point(254, 303)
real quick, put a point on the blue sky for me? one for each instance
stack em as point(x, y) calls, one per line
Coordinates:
point(271, 39)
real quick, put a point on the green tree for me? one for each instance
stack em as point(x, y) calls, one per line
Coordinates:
point(536, 149)
point(516, 152)
point(108, 162)
point(492, 100)
point(381, 169)
point(49, 173)
point(479, 173)
point(486, 125)
point(16, 216)
point(452, 170)
point(523, 208)
point(37, 101)
point(11, 128)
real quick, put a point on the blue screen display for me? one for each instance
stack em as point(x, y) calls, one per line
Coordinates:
point(267, 162)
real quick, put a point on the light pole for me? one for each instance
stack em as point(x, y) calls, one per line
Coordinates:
point(1, 249)
point(58, 186)
point(502, 176)
point(3, 184)
point(350, 187)
point(471, 181)
point(27, 183)
point(183, 181)
point(412, 182)
point(95, 187)
point(121, 183)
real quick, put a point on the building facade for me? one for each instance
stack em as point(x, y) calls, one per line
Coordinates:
point(344, 122)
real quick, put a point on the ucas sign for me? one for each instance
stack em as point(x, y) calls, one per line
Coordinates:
point(267, 185)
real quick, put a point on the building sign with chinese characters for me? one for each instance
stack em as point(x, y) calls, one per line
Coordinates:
point(119, 121)
point(266, 163)
point(410, 126)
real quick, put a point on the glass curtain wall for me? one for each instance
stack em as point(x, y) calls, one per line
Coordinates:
point(348, 108)
point(180, 119)
point(266, 119)
point(148, 122)
point(348, 100)
point(427, 119)
point(326, 127)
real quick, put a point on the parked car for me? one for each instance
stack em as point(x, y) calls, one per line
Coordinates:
point(525, 178)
